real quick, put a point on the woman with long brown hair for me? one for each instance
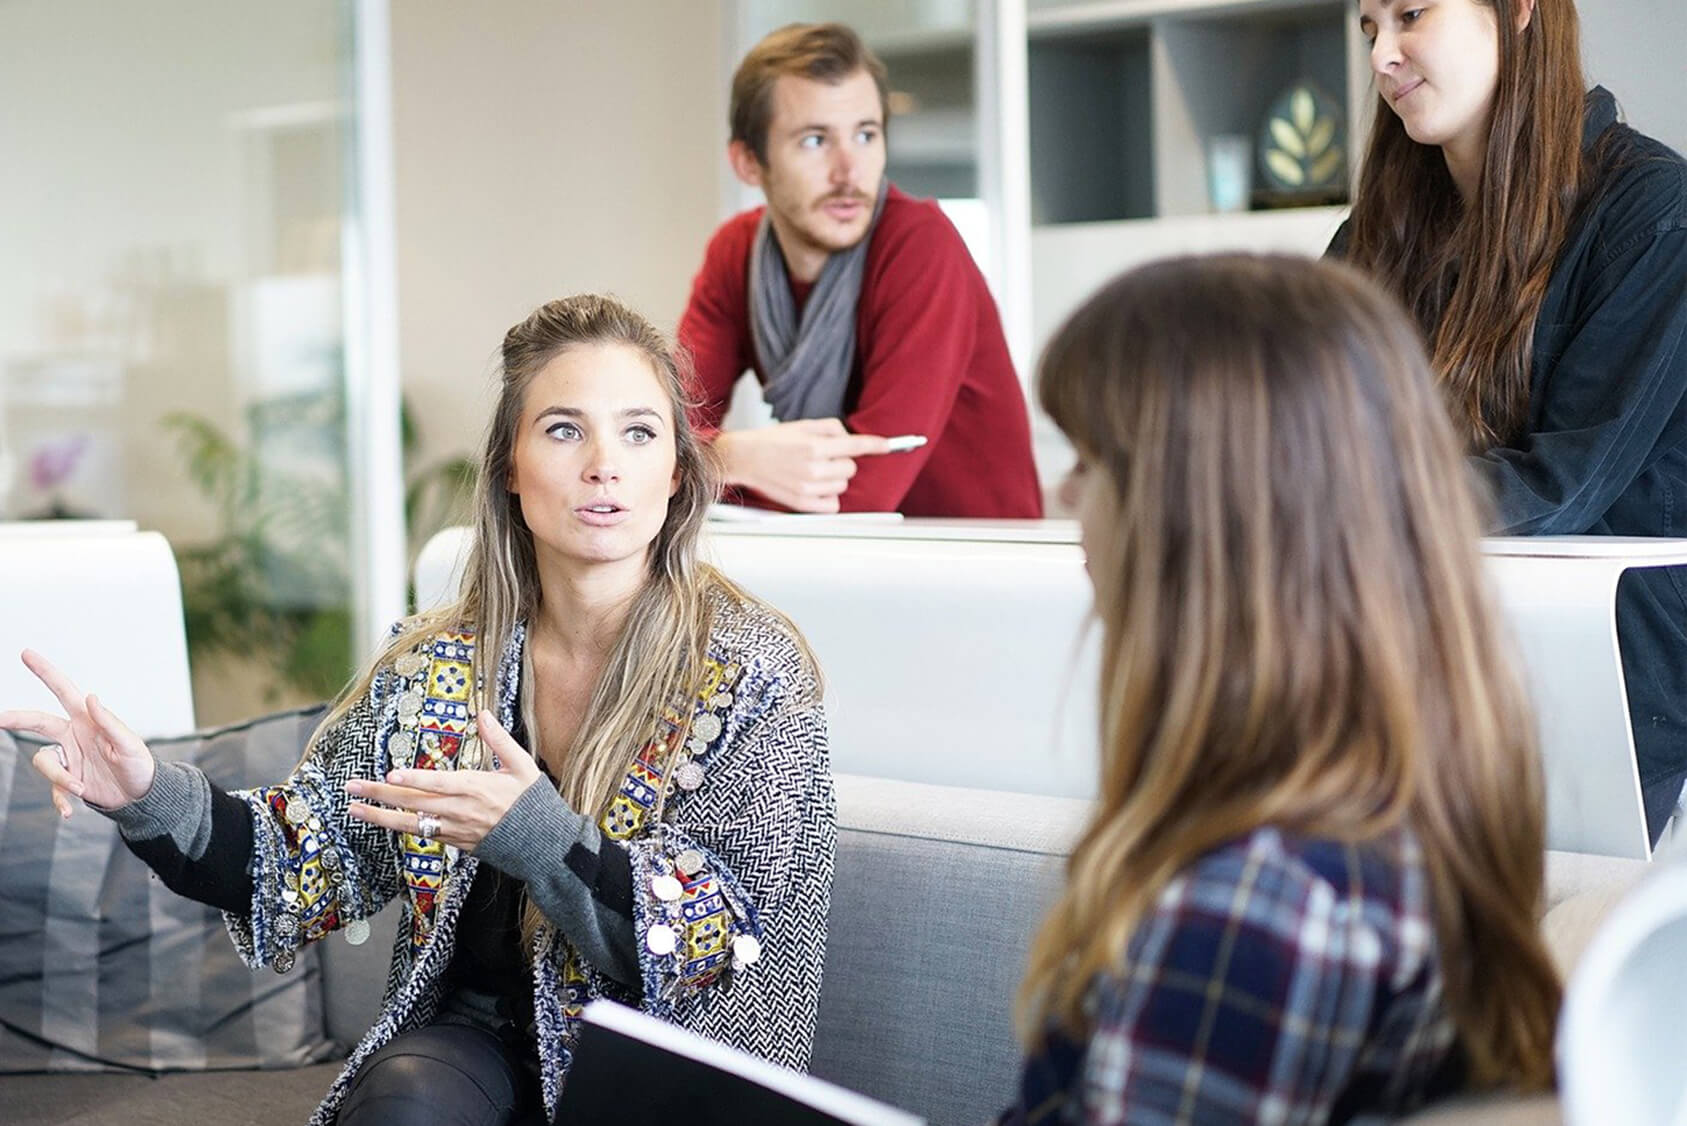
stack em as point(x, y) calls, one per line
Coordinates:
point(602, 772)
point(1541, 246)
point(1309, 889)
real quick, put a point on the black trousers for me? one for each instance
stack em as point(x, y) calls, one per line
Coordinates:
point(465, 1069)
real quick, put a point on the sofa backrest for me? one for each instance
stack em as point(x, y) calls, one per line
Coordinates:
point(937, 894)
point(955, 651)
point(957, 662)
point(354, 977)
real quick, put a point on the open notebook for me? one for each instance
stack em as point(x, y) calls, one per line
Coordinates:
point(629, 1067)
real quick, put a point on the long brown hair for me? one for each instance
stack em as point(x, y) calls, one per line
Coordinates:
point(1295, 628)
point(1474, 272)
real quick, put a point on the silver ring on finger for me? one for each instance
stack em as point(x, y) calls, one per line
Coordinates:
point(427, 826)
point(64, 759)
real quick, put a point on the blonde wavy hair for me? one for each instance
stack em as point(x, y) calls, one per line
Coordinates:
point(657, 659)
point(1296, 631)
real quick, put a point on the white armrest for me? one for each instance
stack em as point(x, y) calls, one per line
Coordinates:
point(105, 605)
point(1559, 596)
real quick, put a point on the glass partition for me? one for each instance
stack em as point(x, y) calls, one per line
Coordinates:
point(172, 341)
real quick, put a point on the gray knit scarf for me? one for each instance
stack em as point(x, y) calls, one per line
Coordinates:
point(807, 364)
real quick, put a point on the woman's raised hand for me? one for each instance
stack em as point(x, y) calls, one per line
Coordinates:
point(97, 757)
point(457, 807)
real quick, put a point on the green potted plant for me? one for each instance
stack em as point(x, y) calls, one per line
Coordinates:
point(274, 583)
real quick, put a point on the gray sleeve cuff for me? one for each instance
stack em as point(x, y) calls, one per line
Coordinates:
point(579, 880)
point(178, 806)
point(522, 843)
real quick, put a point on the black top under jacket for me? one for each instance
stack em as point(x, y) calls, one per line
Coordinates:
point(1606, 448)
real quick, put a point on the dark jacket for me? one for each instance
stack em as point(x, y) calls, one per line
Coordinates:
point(1606, 451)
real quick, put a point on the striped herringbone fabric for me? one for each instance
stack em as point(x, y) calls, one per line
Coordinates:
point(102, 967)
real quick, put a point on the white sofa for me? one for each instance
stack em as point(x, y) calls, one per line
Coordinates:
point(939, 886)
point(956, 652)
point(104, 602)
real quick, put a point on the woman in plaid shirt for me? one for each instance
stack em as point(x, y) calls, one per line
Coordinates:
point(1309, 892)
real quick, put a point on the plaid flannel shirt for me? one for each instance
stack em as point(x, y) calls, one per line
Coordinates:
point(1277, 980)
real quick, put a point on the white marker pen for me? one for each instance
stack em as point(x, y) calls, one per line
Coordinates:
point(902, 443)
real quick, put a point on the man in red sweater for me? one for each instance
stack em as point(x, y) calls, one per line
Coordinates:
point(859, 309)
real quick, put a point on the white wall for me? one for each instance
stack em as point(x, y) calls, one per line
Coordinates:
point(127, 222)
point(1638, 50)
point(163, 169)
point(542, 149)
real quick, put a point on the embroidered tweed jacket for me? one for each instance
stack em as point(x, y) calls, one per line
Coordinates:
point(749, 833)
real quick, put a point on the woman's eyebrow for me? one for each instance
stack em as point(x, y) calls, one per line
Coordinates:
point(576, 412)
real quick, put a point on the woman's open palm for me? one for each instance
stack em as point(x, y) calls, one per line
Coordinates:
point(97, 757)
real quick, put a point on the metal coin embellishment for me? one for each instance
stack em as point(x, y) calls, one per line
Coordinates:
point(357, 932)
point(666, 888)
point(689, 862)
point(689, 776)
point(661, 940)
point(402, 746)
point(706, 727)
point(745, 949)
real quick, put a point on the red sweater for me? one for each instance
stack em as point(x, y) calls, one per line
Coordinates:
point(930, 358)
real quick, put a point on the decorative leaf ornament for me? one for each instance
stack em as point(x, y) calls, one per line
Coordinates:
point(1299, 151)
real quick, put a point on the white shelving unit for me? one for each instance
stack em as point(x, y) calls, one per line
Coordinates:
point(1069, 261)
point(1124, 95)
point(933, 139)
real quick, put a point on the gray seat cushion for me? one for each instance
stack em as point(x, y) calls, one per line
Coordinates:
point(198, 1098)
point(937, 893)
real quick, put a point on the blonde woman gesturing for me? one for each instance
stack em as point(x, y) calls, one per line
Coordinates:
point(668, 843)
